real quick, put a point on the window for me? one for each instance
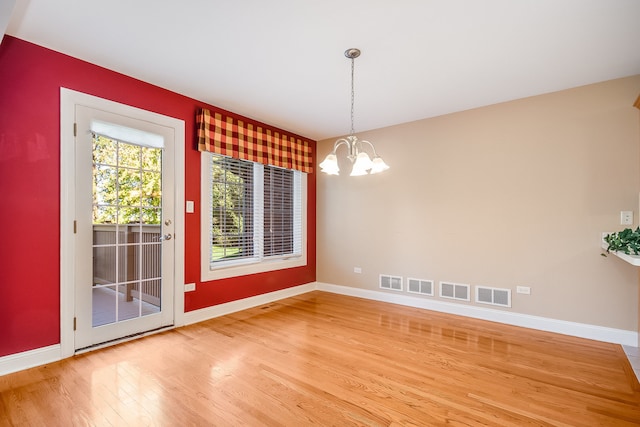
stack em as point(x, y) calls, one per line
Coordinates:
point(252, 217)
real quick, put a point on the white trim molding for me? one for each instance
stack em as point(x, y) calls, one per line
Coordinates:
point(581, 330)
point(29, 359)
point(68, 101)
point(203, 314)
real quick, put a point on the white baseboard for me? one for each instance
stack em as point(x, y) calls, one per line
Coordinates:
point(29, 359)
point(581, 330)
point(203, 314)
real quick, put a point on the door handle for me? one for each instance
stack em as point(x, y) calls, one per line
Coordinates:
point(165, 237)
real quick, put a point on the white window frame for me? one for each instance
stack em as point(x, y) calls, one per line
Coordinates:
point(227, 269)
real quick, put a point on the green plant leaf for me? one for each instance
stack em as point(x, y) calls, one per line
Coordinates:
point(626, 241)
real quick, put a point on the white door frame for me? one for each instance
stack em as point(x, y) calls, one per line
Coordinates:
point(68, 100)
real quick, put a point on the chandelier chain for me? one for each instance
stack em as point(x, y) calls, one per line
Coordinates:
point(352, 95)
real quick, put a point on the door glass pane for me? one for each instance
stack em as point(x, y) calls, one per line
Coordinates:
point(104, 151)
point(104, 305)
point(127, 251)
point(152, 159)
point(127, 263)
point(104, 266)
point(128, 303)
point(129, 187)
point(129, 155)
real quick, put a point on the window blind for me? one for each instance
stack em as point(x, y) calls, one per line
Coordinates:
point(232, 209)
point(279, 212)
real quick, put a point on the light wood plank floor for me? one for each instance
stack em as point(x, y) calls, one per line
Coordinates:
point(331, 360)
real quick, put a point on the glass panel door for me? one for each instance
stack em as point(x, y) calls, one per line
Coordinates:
point(124, 246)
point(127, 250)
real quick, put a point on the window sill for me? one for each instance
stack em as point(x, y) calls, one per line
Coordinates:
point(225, 272)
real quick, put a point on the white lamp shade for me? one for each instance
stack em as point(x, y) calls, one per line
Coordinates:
point(362, 164)
point(330, 165)
point(335, 171)
point(378, 165)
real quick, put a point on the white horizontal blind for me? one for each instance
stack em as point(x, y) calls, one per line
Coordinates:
point(282, 211)
point(232, 209)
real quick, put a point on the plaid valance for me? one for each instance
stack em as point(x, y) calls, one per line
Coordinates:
point(232, 137)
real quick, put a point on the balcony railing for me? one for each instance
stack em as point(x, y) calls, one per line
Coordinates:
point(129, 255)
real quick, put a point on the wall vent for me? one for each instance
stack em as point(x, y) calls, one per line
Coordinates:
point(419, 286)
point(393, 283)
point(455, 291)
point(493, 296)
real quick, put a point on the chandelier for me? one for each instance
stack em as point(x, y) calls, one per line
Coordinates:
point(362, 163)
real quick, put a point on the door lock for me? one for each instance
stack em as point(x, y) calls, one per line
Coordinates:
point(165, 237)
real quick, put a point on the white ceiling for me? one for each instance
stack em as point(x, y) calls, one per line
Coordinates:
point(281, 61)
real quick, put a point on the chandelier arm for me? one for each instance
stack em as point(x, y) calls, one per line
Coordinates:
point(362, 141)
point(338, 143)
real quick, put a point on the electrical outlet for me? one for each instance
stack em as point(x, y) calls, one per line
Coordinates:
point(357, 270)
point(189, 287)
point(626, 217)
point(523, 290)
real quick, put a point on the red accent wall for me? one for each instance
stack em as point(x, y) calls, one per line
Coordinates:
point(30, 81)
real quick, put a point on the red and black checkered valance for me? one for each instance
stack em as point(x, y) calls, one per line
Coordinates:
point(232, 137)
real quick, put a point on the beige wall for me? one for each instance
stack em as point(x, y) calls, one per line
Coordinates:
point(511, 194)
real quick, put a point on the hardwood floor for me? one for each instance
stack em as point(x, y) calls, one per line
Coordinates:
point(325, 359)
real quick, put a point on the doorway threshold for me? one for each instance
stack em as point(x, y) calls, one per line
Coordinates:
point(122, 340)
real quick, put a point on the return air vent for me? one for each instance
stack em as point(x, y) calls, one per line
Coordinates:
point(493, 296)
point(454, 291)
point(419, 286)
point(391, 282)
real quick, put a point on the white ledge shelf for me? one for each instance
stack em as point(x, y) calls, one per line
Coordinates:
point(631, 259)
